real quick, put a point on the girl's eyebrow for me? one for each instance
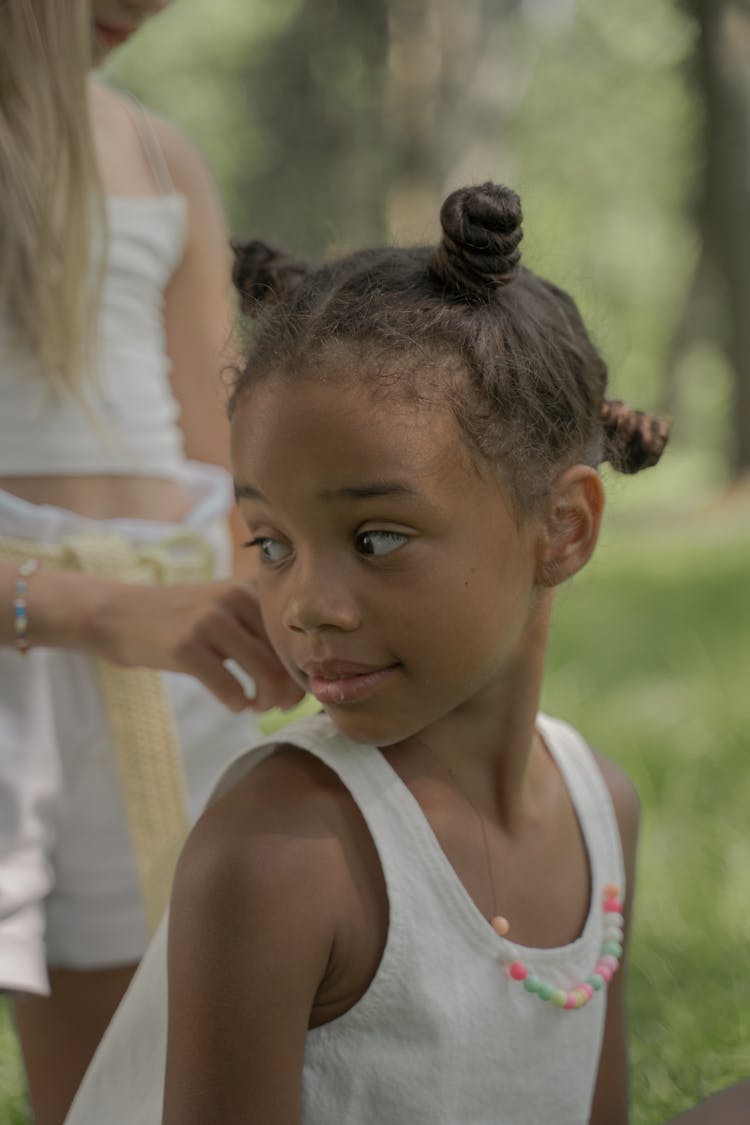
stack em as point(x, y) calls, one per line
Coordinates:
point(363, 491)
point(354, 492)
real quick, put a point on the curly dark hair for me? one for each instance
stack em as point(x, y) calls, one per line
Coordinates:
point(506, 348)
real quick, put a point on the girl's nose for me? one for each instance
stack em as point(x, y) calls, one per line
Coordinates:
point(318, 600)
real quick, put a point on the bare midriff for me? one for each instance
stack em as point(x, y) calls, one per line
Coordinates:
point(105, 497)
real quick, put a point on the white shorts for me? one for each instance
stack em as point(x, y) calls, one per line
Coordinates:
point(69, 892)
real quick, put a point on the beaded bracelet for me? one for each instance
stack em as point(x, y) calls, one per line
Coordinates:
point(20, 611)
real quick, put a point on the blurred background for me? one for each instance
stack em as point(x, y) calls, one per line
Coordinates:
point(625, 128)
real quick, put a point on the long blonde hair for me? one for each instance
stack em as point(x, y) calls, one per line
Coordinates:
point(51, 204)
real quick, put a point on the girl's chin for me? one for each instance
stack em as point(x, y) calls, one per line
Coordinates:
point(369, 730)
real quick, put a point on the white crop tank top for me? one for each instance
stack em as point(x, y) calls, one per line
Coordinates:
point(132, 426)
point(442, 1036)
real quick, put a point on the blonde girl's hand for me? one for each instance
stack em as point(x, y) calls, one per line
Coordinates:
point(193, 628)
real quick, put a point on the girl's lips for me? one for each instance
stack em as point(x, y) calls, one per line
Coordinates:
point(346, 687)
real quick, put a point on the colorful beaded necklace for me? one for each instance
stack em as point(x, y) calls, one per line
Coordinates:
point(608, 961)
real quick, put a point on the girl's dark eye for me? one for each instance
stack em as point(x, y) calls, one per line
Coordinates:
point(377, 543)
point(271, 550)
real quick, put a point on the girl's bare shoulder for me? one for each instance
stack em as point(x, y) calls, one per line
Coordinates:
point(287, 823)
point(114, 113)
point(284, 850)
point(259, 927)
point(290, 783)
point(188, 166)
point(620, 785)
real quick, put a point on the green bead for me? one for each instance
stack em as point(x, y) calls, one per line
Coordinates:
point(532, 983)
point(559, 998)
point(545, 991)
point(595, 981)
point(612, 947)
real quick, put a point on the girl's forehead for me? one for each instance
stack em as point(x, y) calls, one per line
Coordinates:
point(350, 396)
point(335, 428)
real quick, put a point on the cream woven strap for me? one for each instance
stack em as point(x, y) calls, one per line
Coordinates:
point(140, 714)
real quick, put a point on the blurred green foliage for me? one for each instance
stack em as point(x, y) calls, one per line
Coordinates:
point(586, 108)
point(13, 1104)
point(284, 98)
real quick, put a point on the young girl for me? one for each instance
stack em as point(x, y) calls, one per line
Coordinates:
point(113, 311)
point(415, 906)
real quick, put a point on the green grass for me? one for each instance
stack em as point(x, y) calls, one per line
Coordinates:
point(651, 658)
point(13, 1107)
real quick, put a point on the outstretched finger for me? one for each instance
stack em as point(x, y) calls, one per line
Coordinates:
point(207, 666)
point(239, 637)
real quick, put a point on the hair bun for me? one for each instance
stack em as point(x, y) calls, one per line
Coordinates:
point(632, 440)
point(264, 274)
point(481, 232)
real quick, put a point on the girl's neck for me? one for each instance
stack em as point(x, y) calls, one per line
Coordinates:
point(489, 747)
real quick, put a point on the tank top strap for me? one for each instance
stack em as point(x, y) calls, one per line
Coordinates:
point(591, 800)
point(154, 153)
point(361, 768)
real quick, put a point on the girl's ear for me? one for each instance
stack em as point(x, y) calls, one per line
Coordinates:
point(571, 526)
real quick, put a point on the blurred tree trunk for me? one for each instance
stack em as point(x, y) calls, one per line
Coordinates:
point(317, 93)
point(723, 72)
point(371, 110)
point(412, 113)
point(437, 104)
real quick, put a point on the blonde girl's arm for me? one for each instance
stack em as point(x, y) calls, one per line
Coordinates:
point(611, 1096)
point(251, 931)
point(191, 628)
point(199, 311)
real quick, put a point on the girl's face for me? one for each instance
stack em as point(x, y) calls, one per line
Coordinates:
point(394, 582)
point(114, 21)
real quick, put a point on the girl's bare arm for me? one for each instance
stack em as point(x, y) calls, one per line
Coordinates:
point(199, 313)
point(729, 1107)
point(251, 936)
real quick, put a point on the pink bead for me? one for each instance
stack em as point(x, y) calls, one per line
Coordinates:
point(518, 970)
point(613, 905)
point(571, 1001)
point(605, 972)
point(588, 989)
point(612, 962)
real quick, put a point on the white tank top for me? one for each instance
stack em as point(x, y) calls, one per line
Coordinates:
point(137, 431)
point(442, 1036)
